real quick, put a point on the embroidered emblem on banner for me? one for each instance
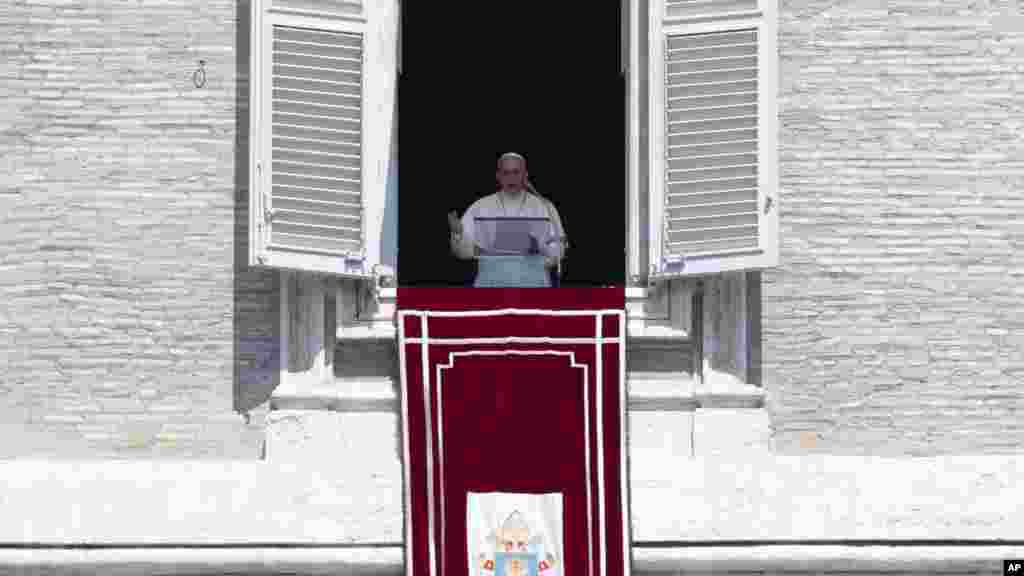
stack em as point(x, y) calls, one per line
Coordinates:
point(514, 534)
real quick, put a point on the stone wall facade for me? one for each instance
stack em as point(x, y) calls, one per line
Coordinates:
point(894, 324)
point(130, 325)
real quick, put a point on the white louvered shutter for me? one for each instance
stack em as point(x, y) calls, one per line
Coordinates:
point(320, 131)
point(713, 88)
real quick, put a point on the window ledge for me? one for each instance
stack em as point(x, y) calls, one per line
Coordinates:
point(680, 391)
point(723, 390)
point(795, 558)
point(648, 335)
point(363, 394)
point(387, 558)
point(658, 392)
point(661, 392)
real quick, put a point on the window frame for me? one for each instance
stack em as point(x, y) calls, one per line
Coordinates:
point(378, 24)
point(764, 20)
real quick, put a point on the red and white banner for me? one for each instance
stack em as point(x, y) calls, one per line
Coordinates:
point(514, 431)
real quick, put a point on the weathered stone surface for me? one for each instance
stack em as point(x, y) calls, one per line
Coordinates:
point(732, 432)
point(388, 560)
point(123, 228)
point(825, 498)
point(893, 323)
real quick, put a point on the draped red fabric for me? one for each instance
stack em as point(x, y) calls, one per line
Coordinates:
point(512, 417)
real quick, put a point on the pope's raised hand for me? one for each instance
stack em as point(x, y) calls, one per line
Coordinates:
point(454, 223)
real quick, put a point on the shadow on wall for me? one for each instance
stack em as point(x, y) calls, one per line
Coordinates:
point(389, 227)
point(257, 317)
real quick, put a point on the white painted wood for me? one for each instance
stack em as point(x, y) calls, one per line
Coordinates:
point(376, 24)
point(635, 274)
point(340, 9)
point(664, 263)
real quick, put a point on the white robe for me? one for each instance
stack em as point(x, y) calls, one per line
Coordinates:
point(490, 206)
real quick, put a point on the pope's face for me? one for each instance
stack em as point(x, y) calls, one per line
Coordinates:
point(513, 540)
point(511, 173)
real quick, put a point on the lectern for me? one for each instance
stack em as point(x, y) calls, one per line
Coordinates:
point(514, 431)
point(513, 256)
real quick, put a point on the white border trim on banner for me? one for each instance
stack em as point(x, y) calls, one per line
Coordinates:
point(602, 538)
point(599, 341)
point(510, 312)
point(586, 427)
point(511, 340)
point(430, 449)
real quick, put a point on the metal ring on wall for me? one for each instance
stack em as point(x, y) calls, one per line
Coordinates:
point(199, 76)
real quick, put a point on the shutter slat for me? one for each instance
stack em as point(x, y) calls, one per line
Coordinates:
point(313, 194)
point(712, 175)
point(712, 89)
point(327, 75)
point(677, 189)
point(319, 86)
point(709, 111)
point(316, 206)
point(676, 79)
point(711, 233)
point(332, 173)
point(719, 8)
point(711, 136)
point(697, 65)
point(317, 231)
point(316, 97)
point(714, 246)
point(711, 127)
point(305, 136)
point(322, 123)
point(319, 8)
point(311, 36)
point(706, 210)
point(299, 243)
point(745, 158)
point(733, 98)
point(711, 197)
point(699, 126)
point(310, 156)
point(317, 185)
point(324, 49)
point(718, 50)
point(304, 60)
point(708, 39)
point(709, 169)
point(687, 150)
point(316, 109)
point(713, 222)
point(341, 220)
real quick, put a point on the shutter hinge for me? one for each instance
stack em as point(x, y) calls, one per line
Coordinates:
point(268, 213)
point(674, 263)
point(767, 204)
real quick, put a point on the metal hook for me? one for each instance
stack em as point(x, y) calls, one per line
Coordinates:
point(199, 76)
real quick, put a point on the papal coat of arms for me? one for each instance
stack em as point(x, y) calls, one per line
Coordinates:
point(515, 534)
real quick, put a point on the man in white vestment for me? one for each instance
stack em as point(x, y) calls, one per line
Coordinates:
point(515, 199)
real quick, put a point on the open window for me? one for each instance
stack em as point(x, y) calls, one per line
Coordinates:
point(711, 84)
point(322, 112)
